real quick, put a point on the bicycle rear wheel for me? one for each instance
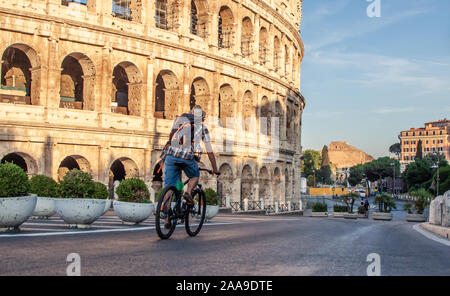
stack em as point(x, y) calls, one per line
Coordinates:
point(164, 210)
point(198, 212)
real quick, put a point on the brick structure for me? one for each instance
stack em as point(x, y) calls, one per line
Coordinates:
point(95, 84)
point(434, 136)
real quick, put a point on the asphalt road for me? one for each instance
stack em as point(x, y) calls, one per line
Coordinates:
point(249, 246)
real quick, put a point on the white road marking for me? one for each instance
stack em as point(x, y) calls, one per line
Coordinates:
point(87, 231)
point(431, 236)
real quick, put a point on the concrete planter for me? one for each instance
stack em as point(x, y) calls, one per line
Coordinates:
point(45, 207)
point(319, 214)
point(131, 212)
point(14, 211)
point(79, 212)
point(338, 214)
point(351, 216)
point(211, 212)
point(382, 216)
point(416, 218)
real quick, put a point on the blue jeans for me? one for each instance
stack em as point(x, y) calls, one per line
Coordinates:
point(172, 172)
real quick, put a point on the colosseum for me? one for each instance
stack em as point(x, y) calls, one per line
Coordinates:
point(95, 85)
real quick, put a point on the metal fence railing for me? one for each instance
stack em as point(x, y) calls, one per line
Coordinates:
point(236, 206)
point(255, 205)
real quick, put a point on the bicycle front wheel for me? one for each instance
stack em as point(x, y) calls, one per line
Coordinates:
point(196, 215)
point(164, 210)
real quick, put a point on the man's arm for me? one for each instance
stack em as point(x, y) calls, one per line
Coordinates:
point(211, 157)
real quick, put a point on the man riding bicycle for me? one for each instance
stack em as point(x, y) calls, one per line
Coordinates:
point(183, 150)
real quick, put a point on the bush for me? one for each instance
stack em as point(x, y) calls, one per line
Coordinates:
point(423, 199)
point(408, 207)
point(43, 186)
point(211, 197)
point(340, 209)
point(319, 207)
point(76, 184)
point(133, 190)
point(13, 181)
point(100, 191)
point(158, 194)
point(385, 203)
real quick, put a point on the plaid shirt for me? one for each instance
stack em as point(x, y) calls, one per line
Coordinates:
point(200, 134)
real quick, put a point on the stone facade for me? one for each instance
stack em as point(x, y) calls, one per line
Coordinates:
point(95, 86)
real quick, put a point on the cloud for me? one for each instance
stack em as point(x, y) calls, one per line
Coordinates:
point(337, 34)
point(395, 110)
point(424, 76)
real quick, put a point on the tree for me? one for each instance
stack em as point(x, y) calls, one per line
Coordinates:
point(356, 174)
point(396, 149)
point(419, 151)
point(325, 168)
point(419, 174)
point(312, 160)
point(381, 168)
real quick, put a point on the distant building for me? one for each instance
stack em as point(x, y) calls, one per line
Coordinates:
point(434, 136)
point(344, 156)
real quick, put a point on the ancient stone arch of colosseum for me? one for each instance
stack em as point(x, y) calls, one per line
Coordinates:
point(105, 79)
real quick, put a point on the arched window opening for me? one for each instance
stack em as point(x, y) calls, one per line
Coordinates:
point(127, 89)
point(286, 61)
point(17, 160)
point(160, 97)
point(120, 90)
point(247, 37)
point(200, 94)
point(194, 18)
point(161, 14)
point(167, 95)
point(226, 105)
point(225, 28)
point(276, 54)
point(15, 86)
point(77, 88)
point(263, 49)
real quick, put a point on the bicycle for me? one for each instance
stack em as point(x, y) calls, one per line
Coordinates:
point(175, 208)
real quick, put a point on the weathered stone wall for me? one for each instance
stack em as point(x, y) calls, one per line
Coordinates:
point(440, 210)
point(51, 134)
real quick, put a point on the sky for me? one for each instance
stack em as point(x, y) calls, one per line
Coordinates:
point(366, 79)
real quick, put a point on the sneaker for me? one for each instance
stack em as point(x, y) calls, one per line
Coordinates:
point(188, 198)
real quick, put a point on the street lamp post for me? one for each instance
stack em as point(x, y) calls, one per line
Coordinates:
point(393, 178)
point(314, 179)
point(436, 166)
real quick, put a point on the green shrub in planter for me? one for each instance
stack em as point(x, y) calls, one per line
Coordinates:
point(408, 207)
point(76, 184)
point(43, 186)
point(340, 209)
point(13, 181)
point(319, 207)
point(133, 190)
point(385, 203)
point(211, 197)
point(100, 191)
point(158, 194)
point(423, 199)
